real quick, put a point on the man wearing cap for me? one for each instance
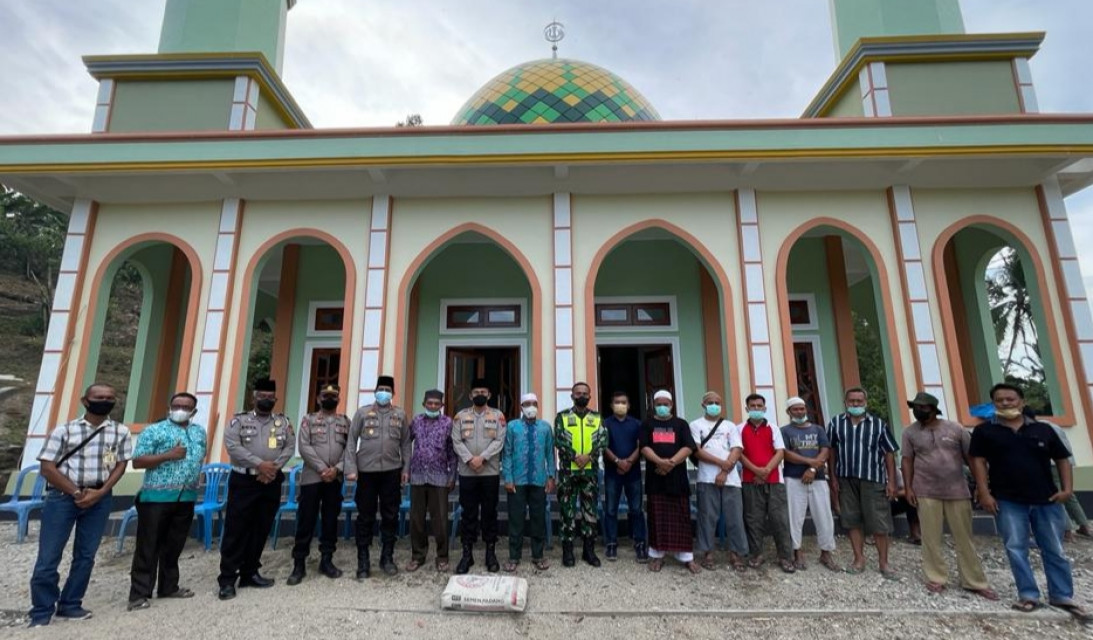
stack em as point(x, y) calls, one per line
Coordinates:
point(807, 450)
point(432, 477)
point(323, 435)
point(580, 438)
point(934, 454)
point(478, 435)
point(528, 472)
point(259, 443)
point(377, 457)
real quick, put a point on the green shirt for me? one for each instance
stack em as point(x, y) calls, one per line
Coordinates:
point(174, 480)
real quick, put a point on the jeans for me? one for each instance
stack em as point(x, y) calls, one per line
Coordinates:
point(1047, 522)
point(59, 515)
point(613, 487)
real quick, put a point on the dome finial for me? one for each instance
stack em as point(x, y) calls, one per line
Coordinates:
point(554, 33)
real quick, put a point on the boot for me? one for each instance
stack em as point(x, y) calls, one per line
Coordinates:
point(492, 565)
point(364, 563)
point(589, 554)
point(567, 555)
point(387, 559)
point(327, 568)
point(298, 572)
point(467, 561)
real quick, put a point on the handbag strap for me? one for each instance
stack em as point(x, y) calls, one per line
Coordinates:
point(83, 444)
point(709, 435)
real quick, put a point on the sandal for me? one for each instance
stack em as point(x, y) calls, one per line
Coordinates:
point(693, 568)
point(413, 566)
point(1026, 606)
point(181, 592)
point(739, 566)
point(935, 587)
point(755, 563)
point(800, 565)
point(852, 570)
point(708, 564)
point(138, 604)
point(442, 565)
point(541, 564)
point(510, 566)
point(889, 574)
point(830, 564)
point(656, 564)
point(1079, 614)
point(787, 566)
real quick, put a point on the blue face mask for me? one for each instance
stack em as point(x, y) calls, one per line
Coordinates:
point(383, 397)
point(756, 414)
point(713, 410)
point(663, 411)
point(856, 411)
point(432, 414)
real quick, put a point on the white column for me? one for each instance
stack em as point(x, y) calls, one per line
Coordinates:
point(375, 292)
point(244, 112)
point(1025, 91)
point(751, 257)
point(564, 366)
point(918, 303)
point(873, 82)
point(103, 105)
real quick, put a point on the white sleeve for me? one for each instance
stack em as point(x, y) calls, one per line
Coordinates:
point(778, 442)
point(735, 440)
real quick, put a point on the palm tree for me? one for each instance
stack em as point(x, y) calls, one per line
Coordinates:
point(1011, 312)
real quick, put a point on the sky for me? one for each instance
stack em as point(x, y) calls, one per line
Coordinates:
point(355, 63)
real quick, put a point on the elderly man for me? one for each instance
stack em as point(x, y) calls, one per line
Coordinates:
point(765, 504)
point(1011, 458)
point(478, 435)
point(172, 452)
point(666, 443)
point(580, 438)
point(432, 477)
point(528, 472)
point(82, 461)
point(718, 483)
point(807, 450)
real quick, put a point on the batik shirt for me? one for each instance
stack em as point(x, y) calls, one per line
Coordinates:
point(528, 456)
point(173, 480)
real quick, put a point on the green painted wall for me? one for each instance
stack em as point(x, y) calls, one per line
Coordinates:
point(154, 264)
point(180, 105)
point(807, 272)
point(663, 268)
point(321, 277)
point(215, 26)
point(853, 19)
point(465, 270)
point(952, 88)
point(848, 106)
point(268, 117)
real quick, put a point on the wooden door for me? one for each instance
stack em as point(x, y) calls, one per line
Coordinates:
point(325, 365)
point(808, 382)
point(464, 365)
point(657, 365)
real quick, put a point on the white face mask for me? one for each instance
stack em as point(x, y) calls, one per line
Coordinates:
point(180, 416)
point(531, 412)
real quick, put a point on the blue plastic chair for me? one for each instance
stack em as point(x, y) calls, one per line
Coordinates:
point(404, 512)
point(457, 514)
point(290, 501)
point(129, 515)
point(22, 508)
point(349, 505)
point(214, 498)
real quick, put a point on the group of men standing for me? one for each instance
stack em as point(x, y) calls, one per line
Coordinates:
point(753, 479)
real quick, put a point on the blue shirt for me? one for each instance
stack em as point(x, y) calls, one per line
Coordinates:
point(623, 436)
point(174, 480)
point(528, 456)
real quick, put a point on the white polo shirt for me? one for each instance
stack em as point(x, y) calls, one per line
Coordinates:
point(719, 446)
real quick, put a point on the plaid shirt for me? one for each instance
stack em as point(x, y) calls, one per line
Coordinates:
point(87, 467)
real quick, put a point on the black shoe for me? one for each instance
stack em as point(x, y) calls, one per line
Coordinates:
point(79, 613)
point(327, 568)
point(641, 552)
point(298, 572)
point(492, 565)
point(364, 564)
point(387, 559)
point(256, 581)
point(612, 552)
point(467, 561)
point(227, 592)
point(38, 622)
point(589, 553)
point(568, 560)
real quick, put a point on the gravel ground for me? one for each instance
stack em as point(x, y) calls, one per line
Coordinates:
point(622, 600)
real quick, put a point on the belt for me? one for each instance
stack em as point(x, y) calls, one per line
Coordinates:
point(244, 470)
point(93, 486)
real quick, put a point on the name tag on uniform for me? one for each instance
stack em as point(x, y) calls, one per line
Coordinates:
point(664, 437)
point(109, 459)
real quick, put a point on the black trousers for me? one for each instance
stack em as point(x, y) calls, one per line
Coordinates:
point(319, 498)
point(248, 519)
point(162, 528)
point(479, 493)
point(384, 488)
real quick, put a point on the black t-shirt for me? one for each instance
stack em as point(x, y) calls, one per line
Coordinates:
point(1019, 462)
point(666, 438)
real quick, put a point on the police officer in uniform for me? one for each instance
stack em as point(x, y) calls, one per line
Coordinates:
point(378, 458)
point(323, 435)
point(259, 443)
point(478, 435)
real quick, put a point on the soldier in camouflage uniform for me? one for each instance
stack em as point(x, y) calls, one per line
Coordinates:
point(580, 438)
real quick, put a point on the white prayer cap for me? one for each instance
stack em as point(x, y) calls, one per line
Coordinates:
point(663, 393)
point(529, 397)
point(795, 401)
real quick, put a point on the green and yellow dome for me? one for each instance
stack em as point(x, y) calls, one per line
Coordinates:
point(555, 90)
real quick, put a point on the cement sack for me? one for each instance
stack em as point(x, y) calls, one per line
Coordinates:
point(485, 593)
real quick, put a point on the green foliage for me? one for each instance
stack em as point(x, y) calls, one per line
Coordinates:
point(871, 365)
point(412, 120)
point(33, 237)
point(261, 355)
point(1015, 329)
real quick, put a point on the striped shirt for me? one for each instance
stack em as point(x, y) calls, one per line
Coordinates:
point(860, 450)
point(89, 466)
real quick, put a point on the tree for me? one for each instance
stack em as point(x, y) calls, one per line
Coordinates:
point(871, 366)
point(412, 120)
point(33, 237)
point(1015, 328)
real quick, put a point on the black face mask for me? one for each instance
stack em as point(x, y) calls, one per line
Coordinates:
point(480, 401)
point(581, 402)
point(100, 407)
point(328, 403)
point(265, 404)
point(922, 416)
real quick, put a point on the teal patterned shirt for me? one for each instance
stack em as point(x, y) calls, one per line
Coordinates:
point(528, 456)
point(174, 480)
